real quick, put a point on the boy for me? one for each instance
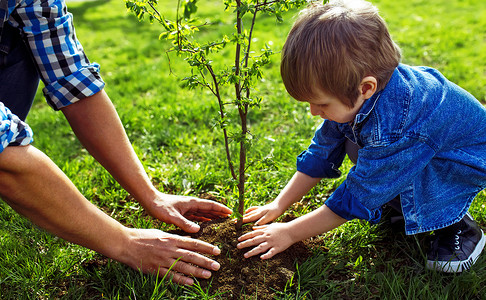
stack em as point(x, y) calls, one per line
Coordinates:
point(416, 142)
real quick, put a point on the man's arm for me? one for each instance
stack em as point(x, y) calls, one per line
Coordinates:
point(95, 122)
point(36, 188)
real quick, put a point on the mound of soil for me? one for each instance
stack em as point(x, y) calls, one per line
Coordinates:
point(240, 277)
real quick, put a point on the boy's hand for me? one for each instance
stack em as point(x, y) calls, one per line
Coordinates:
point(268, 239)
point(263, 214)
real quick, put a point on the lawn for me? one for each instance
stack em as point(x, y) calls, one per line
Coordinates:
point(173, 132)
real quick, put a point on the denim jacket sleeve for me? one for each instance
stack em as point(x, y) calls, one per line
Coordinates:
point(381, 173)
point(325, 154)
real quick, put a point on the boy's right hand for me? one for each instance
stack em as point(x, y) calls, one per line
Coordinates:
point(263, 214)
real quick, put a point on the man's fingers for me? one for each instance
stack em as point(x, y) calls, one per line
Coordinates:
point(210, 206)
point(197, 246)
point(187, 267)
point(175, 257)
point(210, 215)
point(185, 224)
point(187, 263)
point(198, 218)
point(180, 279)
point(191, 259)
point(206, 210)
point(171, 275)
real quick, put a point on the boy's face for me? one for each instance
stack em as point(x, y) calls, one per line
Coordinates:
point(330, 108)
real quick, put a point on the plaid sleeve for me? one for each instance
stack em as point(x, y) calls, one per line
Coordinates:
point(64, 68)
point(13, 132)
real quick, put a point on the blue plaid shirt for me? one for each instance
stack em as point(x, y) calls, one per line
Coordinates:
point(67, 73)
point(13, 132)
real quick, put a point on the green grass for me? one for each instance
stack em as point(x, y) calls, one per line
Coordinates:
point(171, 129)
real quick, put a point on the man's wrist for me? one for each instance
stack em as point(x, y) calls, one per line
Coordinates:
point(120, 250)
point(148, 198)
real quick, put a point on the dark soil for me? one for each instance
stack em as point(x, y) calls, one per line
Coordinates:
point(240, 277)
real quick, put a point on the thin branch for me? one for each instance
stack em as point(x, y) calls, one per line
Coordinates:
point(178, 20)
point(223, 117)
point(241, 169)
point(155, 10)
point(247, 54)
point(265, 4)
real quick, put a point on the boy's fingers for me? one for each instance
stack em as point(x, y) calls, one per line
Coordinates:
point(269, 254)
point(250, 216)
point(257, 227)
point(246, 244)
point(262, 221)
point(250, 241)
point(257, 250)
point(248, 235)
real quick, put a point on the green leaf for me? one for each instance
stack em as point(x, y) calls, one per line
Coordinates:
point(190, 8)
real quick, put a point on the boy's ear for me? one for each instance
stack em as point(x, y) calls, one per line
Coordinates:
point(368, 87)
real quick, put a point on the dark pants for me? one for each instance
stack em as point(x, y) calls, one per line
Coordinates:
point(19, 78)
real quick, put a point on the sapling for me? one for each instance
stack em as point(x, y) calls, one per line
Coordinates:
point(236, 81)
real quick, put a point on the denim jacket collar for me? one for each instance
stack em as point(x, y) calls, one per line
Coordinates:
point(366, 109)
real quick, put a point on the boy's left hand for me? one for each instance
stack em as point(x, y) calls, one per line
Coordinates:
point(268, 239)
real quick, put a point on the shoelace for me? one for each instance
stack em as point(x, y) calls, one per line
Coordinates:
point(457, 239)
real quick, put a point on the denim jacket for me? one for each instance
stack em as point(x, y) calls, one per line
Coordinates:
point(422, 137)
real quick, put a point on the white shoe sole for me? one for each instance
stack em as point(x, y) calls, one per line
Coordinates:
point(458, 266)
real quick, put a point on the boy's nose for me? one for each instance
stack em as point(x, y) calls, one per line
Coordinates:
point(314, 110)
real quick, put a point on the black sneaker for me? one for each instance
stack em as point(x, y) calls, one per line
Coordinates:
point(457, 247)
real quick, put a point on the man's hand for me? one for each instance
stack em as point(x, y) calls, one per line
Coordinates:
point(181, 210)
point(267, 239)
point(263, 214)
point(173, 256)
point(35, 187)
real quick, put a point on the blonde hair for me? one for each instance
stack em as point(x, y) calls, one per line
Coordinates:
point(332, 47)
